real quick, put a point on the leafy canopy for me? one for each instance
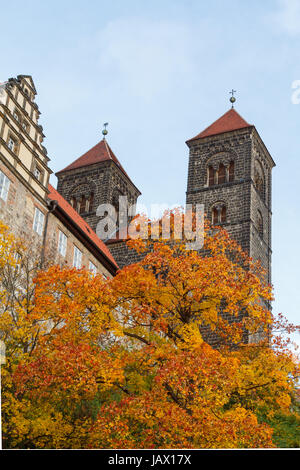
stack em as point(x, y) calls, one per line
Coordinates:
point(127, 362)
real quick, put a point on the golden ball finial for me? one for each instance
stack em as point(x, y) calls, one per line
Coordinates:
point(105, 131)
point(232, 98)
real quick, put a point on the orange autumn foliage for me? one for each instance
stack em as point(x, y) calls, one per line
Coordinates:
point(124, 363)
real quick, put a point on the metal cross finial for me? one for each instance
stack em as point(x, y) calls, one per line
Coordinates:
point(105, 131)
point(232, 99)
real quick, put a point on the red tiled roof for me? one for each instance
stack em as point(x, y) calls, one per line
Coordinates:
point(230, 121)
point(78, 220)
point(101, 152)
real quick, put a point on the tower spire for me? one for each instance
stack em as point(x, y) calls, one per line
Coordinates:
point(232, 99)
point(105, 131)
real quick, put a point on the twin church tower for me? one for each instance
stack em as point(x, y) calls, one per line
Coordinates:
point(229, 172)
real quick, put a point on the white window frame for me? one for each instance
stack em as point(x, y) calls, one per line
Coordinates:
point(38, 222)
point(77, 258)
point(62, 243)
point(92, 268)
point(4, 186)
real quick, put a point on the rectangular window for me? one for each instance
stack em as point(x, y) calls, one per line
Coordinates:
point(37, 173)
point(11, 143)
point(25, 126)
point(77, 258)
point(4, 186)
point(62, 243)
point(38, 222)
point(92, 268)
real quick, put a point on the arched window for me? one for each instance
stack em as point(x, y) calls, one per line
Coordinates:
point(211, 176)
point(221, 174)
point(260, 226)
point(115, 200)
point(73, 202)
point(82, 204)
point(223, 215)
point(259, 180)
point(231, 171)
point(219, 214)
point(215, 216)
point(91, 202)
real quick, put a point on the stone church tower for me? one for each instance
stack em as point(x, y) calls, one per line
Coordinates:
point(95, 178)
point(230, 173)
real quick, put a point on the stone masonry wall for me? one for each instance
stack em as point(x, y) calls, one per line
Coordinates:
point(104, 180)
point(18, 213)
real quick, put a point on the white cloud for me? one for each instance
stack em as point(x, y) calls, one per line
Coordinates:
point(287, 18)
point(146, 57)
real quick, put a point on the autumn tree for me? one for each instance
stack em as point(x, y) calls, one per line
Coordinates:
point(126, 362)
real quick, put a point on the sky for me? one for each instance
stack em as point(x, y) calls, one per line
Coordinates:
point(159, 72)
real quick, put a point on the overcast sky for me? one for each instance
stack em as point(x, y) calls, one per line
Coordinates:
point(160, 72)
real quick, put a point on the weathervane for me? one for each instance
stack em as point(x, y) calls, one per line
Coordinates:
point(232, 99)
point(105, 131)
